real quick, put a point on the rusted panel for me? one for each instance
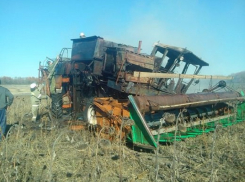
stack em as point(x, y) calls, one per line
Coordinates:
point(126, 113)
point(142, 61)
point(58, 81)
point(117, 111)
point(97, 67)
point(109, 63)
point(172, 75)
point(164, 102)
point(111, 101)
point(109, 113)
point(138, 89)
point(66, 80)
point(68, 68)
point(66, 106)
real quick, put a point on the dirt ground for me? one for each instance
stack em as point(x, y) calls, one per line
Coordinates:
point(47, 151)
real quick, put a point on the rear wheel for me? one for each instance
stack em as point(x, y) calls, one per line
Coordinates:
point(56, 105)
point(89, 115)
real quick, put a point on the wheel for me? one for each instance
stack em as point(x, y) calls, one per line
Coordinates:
point(56, 105)
point(15, 131)
point(89, 115)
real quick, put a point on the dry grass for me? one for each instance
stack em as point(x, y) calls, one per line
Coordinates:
point(32, 153)
point(18, 89)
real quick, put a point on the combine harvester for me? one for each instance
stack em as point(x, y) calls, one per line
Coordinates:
point(125, 94)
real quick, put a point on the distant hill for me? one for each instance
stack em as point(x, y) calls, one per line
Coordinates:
point(238, 77)
point(237, 83)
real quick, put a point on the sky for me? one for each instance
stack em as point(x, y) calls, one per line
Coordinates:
point(31, 30)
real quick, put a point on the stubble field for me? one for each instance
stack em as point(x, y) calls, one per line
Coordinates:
point(50, 151)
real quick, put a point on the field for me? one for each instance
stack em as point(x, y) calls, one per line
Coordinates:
point(50, 151)
point(18, 89)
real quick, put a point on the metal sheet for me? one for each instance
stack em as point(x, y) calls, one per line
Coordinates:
point(167, 75)
point(164, 102)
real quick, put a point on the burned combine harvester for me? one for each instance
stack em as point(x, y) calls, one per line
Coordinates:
point(126, 94)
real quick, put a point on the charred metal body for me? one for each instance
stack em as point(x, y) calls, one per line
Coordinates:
point(104, 80)
point(103, 68)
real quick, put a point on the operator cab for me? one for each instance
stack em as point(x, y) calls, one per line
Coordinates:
point(171, 59)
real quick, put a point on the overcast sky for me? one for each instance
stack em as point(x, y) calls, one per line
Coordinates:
point(31, 30)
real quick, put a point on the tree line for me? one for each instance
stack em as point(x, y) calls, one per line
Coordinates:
point(18, 80)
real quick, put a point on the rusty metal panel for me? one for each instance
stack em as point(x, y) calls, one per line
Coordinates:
point(68, 68)
point(142, 61)
point(109, 63)
point(165, 102)
point(109, 113)
point(98, 65)
point(58, 81)
point(120, 61)
point(66, 80)
point(147, 103)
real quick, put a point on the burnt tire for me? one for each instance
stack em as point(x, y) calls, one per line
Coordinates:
point(89, 115)
point(89, 112)
point(56, 105)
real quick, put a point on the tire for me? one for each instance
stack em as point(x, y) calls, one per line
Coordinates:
point(89, 112)
point(89, 115)
point(56, 105)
